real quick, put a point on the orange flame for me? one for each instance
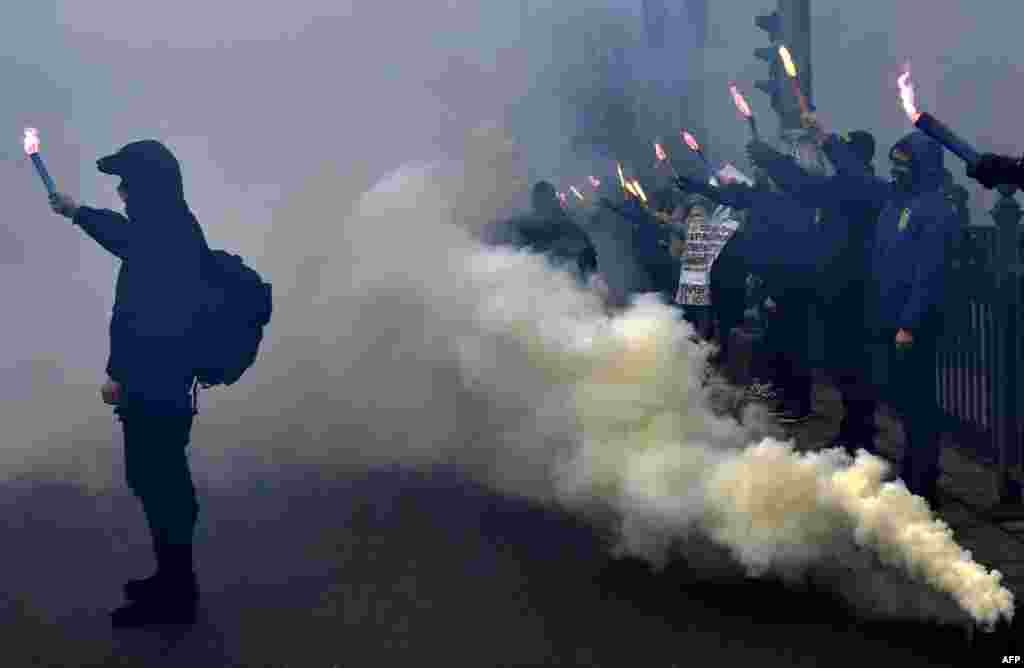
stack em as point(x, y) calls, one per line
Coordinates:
point(690, 141)
point(575, 191)
point(907, 96)
point(740, 101)
point(639, 191)
point(660, 152)
point(31, 141)
point(787, 61)
point(595, 182)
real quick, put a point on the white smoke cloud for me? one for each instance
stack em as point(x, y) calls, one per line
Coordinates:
point(491, 362)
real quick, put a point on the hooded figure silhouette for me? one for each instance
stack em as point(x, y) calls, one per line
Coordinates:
point(908, 286)
point(157, 297)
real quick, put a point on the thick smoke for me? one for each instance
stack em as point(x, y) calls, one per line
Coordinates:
point(490, 362)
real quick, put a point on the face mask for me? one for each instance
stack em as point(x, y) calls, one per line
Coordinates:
point(902, 176)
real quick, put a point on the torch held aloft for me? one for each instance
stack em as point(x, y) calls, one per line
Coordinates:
point(37, 160)
point(931, 126)
point(755, 135)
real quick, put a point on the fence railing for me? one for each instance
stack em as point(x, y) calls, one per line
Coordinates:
point(979, 362)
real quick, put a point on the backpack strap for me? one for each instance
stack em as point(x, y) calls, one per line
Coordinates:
point(195, 396)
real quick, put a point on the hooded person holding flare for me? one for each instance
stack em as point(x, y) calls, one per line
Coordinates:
point(907, 286)
point(150, 368)
point(844, 234)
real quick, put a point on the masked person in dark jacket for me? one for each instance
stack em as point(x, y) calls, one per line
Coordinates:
point(908, 287)
point(150, 368)
point(778, 245)
point(844, 233)
point(548, 231)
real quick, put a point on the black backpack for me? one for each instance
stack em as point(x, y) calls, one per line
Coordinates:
point(236, 306)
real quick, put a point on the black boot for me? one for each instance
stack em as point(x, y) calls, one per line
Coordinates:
point(169, 597)
point(135, 589)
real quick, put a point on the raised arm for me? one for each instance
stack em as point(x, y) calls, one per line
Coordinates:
point(737, 196)
point(108, 228)
point(856, 181)
point(809, 189)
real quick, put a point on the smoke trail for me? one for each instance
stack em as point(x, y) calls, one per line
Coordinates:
point(504, 368)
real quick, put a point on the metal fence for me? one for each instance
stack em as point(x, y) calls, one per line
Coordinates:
point(979, 362)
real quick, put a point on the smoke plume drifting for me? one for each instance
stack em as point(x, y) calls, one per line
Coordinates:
point(491, 362)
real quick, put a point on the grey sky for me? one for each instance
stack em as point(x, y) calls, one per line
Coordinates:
point(275, 109)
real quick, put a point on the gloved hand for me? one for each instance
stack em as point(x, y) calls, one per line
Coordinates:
point(111, 392)
point(993, 170)
point(63, 204)
point(759, 153)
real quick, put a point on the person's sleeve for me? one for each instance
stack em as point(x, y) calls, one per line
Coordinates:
point(929, 265)
point(855, 182)
point(809, 189)
point(737, 196)
point(108, 228)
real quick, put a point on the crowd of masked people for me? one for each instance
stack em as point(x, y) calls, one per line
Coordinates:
point(868, 254)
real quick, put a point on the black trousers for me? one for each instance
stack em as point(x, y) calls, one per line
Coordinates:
point(911, 390)
point(848, 362)
point(157, 472)
point(788, 339)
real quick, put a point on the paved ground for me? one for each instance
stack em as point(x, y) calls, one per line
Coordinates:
point(395, 569)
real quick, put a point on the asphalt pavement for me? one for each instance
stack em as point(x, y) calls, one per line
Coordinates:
point(401, 569)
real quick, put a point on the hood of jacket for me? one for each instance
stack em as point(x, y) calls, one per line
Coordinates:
point(926, 161)
point(151, 174)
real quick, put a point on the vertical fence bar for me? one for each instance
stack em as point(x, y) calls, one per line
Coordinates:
point(1007, 215)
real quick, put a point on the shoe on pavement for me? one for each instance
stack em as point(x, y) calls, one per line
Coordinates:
point(156, 610)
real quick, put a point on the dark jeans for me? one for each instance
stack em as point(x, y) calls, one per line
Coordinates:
point(911, 391)
point(787, 338)
point(848, 363)
point(157, 472)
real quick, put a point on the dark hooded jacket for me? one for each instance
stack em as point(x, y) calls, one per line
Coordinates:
point(651, 243)
point(844, 231)
point(159, 285)
point(915, 229)
point(551, 234)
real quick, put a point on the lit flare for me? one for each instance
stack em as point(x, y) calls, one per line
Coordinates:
point(31, 144)
point(639, 191)
point(930, 125)
point(31, 141)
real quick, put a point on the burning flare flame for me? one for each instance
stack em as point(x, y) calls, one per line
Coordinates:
point(787, 61)
point(31, 141)
point(575, 191)
point(908, 97)
point(740, 101)
point(639, 191)
point(595, 182)
point(691, 141)
point(660, 152)
point(622, 178)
